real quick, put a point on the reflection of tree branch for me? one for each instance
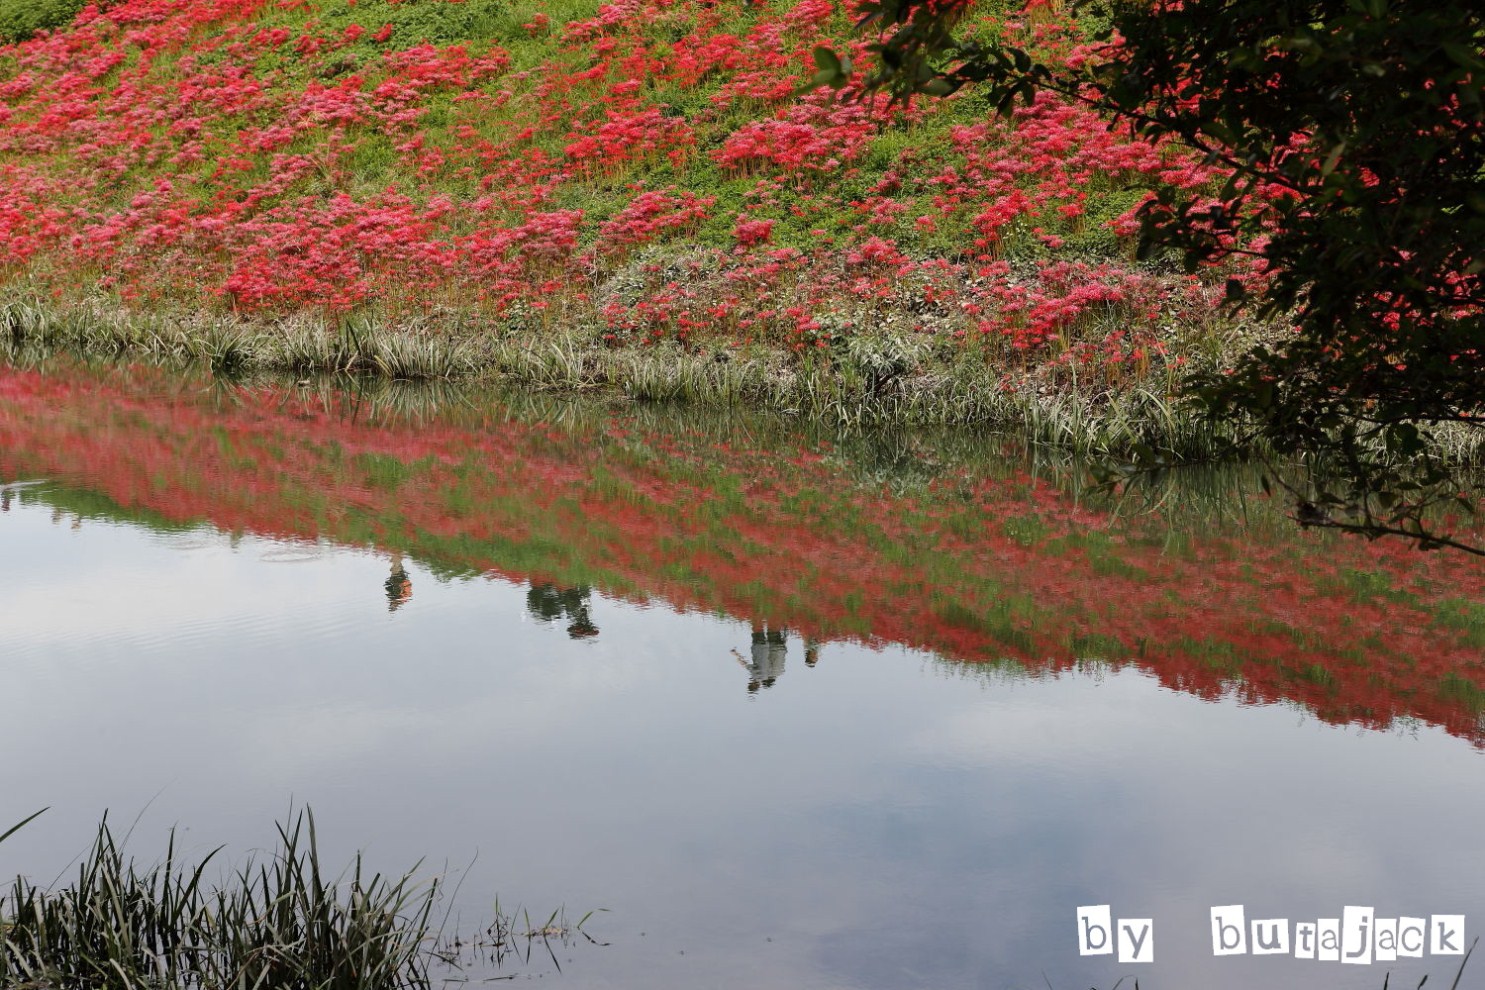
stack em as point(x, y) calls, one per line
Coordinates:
point(1465, 419)
point(1405, 518)
point(1310, 516)
point(1426, 540)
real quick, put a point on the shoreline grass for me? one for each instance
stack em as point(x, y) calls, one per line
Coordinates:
point(873, 380)
point(281, 922)
point(877, 381)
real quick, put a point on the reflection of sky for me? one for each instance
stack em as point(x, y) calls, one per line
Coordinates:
point(875, 821)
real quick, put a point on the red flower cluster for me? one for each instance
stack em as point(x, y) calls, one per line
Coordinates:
point(266, 157)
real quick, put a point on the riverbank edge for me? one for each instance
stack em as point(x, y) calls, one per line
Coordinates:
point(879, 381)
point(875, 381)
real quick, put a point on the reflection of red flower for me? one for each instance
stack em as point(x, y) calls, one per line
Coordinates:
point(977, 567)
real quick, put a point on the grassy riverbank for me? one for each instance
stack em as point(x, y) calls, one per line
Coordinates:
point(872, 379)
point(633, 196)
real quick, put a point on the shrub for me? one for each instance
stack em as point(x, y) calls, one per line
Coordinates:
point(20, 19)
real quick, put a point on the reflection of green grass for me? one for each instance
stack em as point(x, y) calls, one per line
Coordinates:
point(1322, 641)
point(1366, 585)
point(997, 621)
point(459, 501)
point(1091, 646)
point(384, 472)
point(1454, 686)
point(1220, 656)
point(1466, 616)
point(1025, 530)
point(1105, 556)
point(1110, 565)
point(87, 504)
point(1316, 674)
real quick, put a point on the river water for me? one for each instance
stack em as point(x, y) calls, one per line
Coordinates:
point(795, 709)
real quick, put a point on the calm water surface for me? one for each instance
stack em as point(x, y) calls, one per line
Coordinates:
point(798, 711)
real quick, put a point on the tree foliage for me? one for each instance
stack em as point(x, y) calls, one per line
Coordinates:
point(1354, 135)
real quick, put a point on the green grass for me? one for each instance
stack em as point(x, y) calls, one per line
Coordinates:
point(278, 922)
point(1464, 616)
point(1454, 686)
point(20, 19)
point(281, 922)
point(878, 379)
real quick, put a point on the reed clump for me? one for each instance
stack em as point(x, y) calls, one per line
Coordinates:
point(279, 922)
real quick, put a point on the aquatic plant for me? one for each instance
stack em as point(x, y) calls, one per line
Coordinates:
point(283, 922)
point(279, 923)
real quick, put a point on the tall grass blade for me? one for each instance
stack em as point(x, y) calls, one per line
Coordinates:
point(22, 824)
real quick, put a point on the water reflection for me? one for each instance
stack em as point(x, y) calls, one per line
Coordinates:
point(767, 655)
point(766, 662)
point(891, 819)
point(938, 543)
point(570, 606)
point(398, 585)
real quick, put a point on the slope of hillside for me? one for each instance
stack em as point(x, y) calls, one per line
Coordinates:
point(628, 173)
